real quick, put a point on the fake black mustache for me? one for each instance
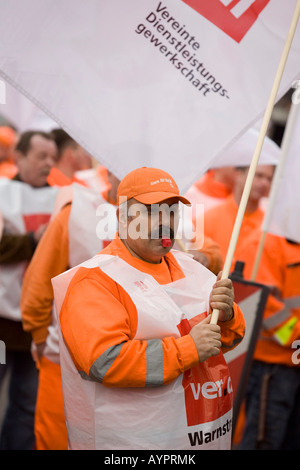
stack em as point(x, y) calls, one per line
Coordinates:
point(162, 231)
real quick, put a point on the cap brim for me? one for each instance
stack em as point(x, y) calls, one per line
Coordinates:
point(156, 197)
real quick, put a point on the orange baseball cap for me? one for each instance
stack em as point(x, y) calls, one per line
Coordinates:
point(149, 186)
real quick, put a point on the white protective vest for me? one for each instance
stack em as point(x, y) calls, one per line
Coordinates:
point(92, 225)
point(23, 209)
point(193, 412)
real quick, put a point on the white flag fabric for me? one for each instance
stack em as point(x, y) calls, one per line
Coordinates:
point(240, 153)
point(168, 84)
point(22, 113)
point(283, 219)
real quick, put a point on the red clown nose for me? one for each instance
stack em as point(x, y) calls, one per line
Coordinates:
point(166, 242)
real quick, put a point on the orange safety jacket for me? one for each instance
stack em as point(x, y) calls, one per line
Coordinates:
point(74, 234)
point(207, 191)
point(8, 169)
point(108, 344)
point(58, 178)
point(70, 237)
point(91, 288)
point(219, 222)
point(51, 258)
point(279, 268)
point(56, 253)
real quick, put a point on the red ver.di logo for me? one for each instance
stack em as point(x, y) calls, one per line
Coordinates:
point(234, 17)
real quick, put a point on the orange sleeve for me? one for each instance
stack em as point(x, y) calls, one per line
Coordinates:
point(99, 322)
point(233, 331)
point(50, 259)
point(271, 267)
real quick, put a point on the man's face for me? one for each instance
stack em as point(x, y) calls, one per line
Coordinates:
point(144, 227)
point(261, 182)
point(35, 167)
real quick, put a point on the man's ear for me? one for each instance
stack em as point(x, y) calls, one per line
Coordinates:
point(121, 216)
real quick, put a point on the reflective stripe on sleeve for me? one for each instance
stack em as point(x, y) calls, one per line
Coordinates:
point(292, 302)
point(104, 362)
point(233, 344)
point(155, 363)
point(276, 319)
point(154, 360)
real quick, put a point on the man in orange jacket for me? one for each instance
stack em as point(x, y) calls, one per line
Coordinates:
point(50, 259)
point(71, 158)
point(26, 204)
point(273, 392)
point(212, 188)
point(144, 355)
point(219, 221)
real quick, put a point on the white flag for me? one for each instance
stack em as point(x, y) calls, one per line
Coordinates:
point(241, 152)
point(282, 217)
point(168, 84)
point(22, 113)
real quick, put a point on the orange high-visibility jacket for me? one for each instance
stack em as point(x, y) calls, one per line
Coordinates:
point(52, 258)
point(279, 267)
point(207, 191)
point(58, 178)
point(110, 319)
point(219, 222)
point(8, 169)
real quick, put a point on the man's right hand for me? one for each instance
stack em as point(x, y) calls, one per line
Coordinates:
point(207, 338)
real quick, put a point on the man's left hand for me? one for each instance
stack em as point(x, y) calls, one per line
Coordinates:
point(222, 298)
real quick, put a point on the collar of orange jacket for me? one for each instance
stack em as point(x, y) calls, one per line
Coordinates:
point(208, 185)
point(164, 270)
point(8, 169)
point(58, 178)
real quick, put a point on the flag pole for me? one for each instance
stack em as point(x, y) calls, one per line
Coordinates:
point(286, 141)
point(257, 151)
